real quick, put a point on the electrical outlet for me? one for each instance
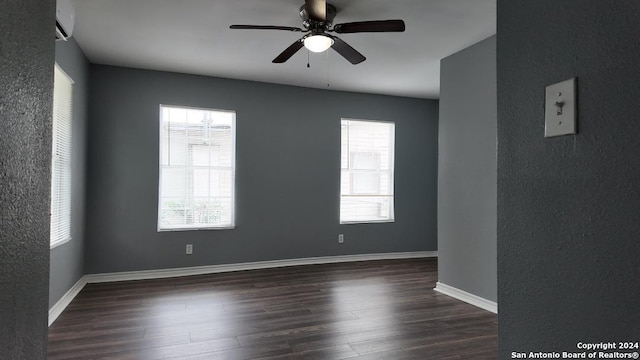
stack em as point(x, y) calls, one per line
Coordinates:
point(340, 238)
point(189, 249)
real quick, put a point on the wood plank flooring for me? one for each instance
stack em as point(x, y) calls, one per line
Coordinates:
point(382, 310)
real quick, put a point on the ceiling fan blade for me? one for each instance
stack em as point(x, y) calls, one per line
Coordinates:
point(288, 52)
point(370, 26)
point(317, 9)
point(265, 27)
point(352, 55)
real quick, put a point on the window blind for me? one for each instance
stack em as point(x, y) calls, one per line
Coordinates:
point(197, 168)
point(366, 178)
point(61, 158)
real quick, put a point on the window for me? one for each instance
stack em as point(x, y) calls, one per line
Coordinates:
point(197, 169)
point(61, 158)
point(366, 178)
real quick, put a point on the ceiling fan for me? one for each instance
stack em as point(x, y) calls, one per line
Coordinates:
point(317, 19)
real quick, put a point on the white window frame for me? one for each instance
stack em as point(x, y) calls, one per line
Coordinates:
point(231, 225)
point(391, 174)
point(61, 158)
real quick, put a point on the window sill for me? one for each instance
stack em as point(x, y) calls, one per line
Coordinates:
point(367, 222)
point(58, 243)
point(229, 227)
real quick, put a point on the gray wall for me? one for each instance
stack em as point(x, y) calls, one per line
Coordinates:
point(67, 263)
point(26, 75)
point(568, 207)
point(467, 171)
point(288, 172)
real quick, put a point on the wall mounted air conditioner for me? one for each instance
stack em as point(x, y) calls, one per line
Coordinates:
point(65, 19)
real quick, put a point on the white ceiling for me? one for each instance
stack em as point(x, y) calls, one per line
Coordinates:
point(193, 36)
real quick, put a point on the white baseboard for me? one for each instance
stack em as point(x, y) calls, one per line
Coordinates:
point(467, 297)
point(65, 300)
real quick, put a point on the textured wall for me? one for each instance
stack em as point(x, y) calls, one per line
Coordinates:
point(568, 207)
point(26, 75)
point(288, 172)
point(467, 171)
point(67, 260)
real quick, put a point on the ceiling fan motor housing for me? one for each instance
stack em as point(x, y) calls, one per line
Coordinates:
point(319, 26)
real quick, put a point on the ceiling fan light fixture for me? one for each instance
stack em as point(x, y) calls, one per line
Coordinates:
point(318, 43)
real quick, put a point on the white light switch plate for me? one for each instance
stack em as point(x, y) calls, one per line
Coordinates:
point(560, 110)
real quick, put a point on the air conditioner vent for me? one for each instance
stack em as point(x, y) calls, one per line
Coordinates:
point(60, 33)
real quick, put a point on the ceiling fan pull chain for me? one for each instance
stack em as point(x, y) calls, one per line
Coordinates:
point(328, 84)
point(308, 65)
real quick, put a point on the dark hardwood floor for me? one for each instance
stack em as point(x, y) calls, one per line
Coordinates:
point(362, 310)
